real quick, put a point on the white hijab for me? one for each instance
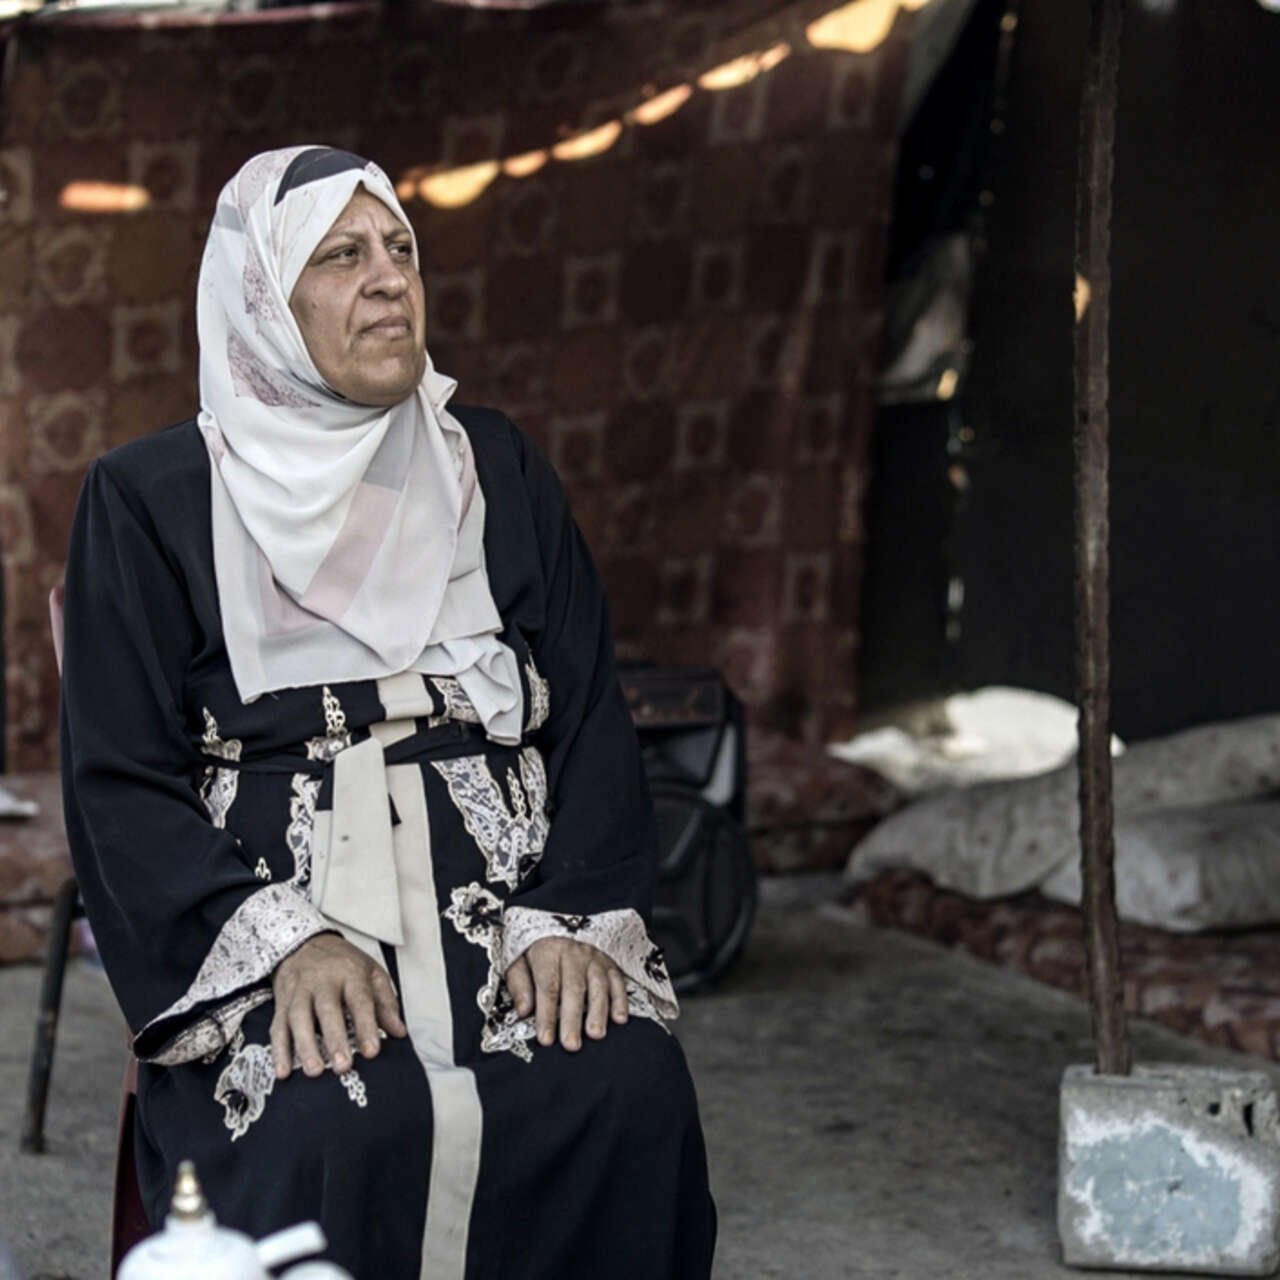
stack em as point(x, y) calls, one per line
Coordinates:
point(347, 539)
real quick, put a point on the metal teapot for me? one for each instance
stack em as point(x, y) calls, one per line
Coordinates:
point(193, 1247)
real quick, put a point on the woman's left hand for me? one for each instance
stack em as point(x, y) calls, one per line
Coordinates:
point(564, 981)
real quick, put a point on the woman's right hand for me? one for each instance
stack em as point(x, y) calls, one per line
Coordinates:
point(316, 987)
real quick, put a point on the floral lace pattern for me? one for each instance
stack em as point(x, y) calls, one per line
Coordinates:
point(477, 914)
point(539, 697)
point(299, 834)
point(265, 928)
point(245, 1085)
point(214, 744)
point(249, 1078)
point(641, 1004)
point(208, 1036)
point(337, 737)
point(457, 705)
point(305, 790)
point(219, 786)
point(355, 1087)
point(620, 935)
point(510, 837)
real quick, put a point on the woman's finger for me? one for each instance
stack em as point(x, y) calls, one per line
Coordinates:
point(281, 1043)
point(573, 991)
point(358, 996)
point(387, 1004)
point(302, 1029)
point(597, 1000)
point(618, 994)
point(546, 981)
point(520, 985)
point(333, 1030)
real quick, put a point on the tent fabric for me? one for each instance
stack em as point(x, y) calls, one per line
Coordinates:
point(653, 234)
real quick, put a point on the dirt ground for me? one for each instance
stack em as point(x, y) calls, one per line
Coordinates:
point(874, 1107)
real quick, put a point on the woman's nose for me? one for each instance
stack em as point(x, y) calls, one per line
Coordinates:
point(385, 274)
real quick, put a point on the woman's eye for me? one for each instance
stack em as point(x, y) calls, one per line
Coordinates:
point(402, 249)
point(339, 254)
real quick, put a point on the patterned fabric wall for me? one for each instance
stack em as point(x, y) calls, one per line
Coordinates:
point(652, 234)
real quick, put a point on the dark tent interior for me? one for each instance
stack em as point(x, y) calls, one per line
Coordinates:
point(1195, 396)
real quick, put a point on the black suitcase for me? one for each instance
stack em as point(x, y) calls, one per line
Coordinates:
point(693, 741)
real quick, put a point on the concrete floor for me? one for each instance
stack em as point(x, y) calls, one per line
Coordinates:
point(874, 1107)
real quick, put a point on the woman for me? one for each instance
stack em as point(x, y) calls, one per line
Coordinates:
point(354, 800)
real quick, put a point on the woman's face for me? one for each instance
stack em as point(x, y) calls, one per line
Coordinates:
point(359, 303)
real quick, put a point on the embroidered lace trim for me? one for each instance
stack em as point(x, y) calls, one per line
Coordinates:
point(205, 1038)
point(478, 915)
point(511, 836)
point(337, 737)
point(266, 927)
point(299, 835)
point(620, 935)
point(214, 744)
point(218, 789)
point(539, 697)
point(457, 705)
point(245, 1085)
point(249, 1078)
point(355, 1087)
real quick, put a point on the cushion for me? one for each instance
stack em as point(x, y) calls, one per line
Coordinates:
point(1000, 838)
point(805, 809)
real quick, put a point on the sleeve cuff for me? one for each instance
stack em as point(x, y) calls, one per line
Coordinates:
point(209, 1034)
point(270, 924)
point(620, 935)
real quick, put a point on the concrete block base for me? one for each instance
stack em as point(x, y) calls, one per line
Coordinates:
point(1173, 1168)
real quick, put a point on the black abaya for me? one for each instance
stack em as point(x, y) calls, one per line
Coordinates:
point(207, 834)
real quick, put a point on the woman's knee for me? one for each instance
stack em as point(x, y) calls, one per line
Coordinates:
point(229, 1117)
point(648, 1078)
point(373, 1110)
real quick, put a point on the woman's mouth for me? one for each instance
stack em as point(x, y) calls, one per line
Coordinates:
point(389, 327)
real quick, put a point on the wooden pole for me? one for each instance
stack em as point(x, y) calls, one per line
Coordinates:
point(1093, 657)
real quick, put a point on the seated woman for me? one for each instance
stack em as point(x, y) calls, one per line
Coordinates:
point(354, 799)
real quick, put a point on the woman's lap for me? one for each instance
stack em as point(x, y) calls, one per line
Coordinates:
point(591, 1162)
point(356, 1159)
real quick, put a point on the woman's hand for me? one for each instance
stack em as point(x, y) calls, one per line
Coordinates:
point(320, 984)
point(566, 981)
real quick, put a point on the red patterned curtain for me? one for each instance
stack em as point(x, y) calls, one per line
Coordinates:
point(652, 233)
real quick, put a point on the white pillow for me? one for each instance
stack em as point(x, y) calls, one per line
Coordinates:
point(1000, 838)
point(1216, 867)
point(986, 840)
point(989, 734)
